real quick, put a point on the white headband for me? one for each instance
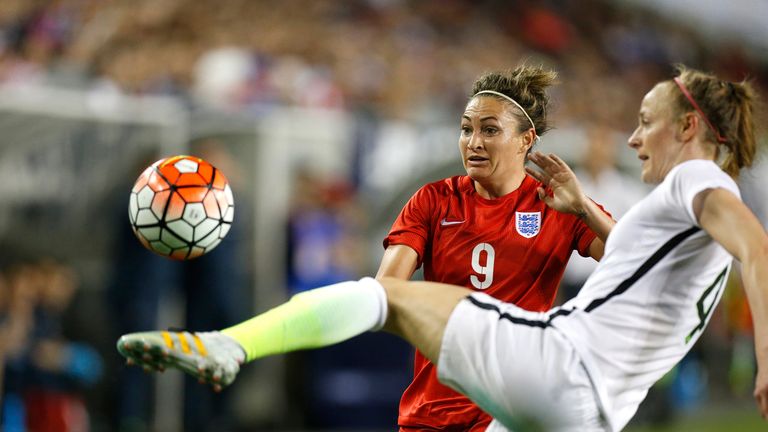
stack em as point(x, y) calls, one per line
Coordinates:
point(514, 102)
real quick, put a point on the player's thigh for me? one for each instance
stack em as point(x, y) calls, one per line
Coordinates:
point(514, 366)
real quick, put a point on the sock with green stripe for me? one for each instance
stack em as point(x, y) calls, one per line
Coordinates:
point(313, 319)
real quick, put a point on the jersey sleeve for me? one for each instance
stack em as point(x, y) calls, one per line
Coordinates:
point(694, 177)
point(583, 235)
point(413, 225)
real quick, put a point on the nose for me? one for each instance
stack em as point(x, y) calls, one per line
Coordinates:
point(475, 141)
point(634, 140)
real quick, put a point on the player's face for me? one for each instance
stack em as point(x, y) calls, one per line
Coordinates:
point(654, 139)
point(492, 149)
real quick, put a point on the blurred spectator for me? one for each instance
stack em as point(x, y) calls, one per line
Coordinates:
point(45, 378)
point(222, 75)
point(325, 234)
point(19, 304)
point(16, 316)
point(60, 368)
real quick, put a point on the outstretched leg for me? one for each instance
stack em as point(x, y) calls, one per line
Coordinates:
point(416, 311)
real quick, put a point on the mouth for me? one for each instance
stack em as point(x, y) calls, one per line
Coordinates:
point(476, 160)
point(642, 157)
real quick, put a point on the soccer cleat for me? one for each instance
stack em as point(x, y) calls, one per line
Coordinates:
point(211, 357)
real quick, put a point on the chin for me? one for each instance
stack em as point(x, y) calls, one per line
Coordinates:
point(475, 174)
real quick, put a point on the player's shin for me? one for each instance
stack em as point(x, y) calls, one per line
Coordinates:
point(312, 319)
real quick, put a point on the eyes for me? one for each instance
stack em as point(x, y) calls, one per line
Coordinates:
point(488, 131)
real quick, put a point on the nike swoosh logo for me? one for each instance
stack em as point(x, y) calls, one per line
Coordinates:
point(445, 222)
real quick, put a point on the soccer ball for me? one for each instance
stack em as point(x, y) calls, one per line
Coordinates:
point(181, 207)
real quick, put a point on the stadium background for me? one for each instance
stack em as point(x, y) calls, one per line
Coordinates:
point(325, 116)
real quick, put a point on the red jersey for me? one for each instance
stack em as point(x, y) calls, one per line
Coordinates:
point(514, 248)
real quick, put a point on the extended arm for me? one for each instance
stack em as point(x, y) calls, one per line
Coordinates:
point(567, 197)
point(732, 224)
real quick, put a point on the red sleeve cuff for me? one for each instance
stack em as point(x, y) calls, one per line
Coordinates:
point(412, 240)
point(584, 242)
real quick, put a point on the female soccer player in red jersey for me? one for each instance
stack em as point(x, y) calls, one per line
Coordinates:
point(489, 230)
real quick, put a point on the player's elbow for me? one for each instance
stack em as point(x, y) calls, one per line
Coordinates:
point(596, 249)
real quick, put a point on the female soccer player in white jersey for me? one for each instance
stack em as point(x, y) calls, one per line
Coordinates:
point(587, 365)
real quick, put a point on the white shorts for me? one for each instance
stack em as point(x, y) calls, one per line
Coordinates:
point(517, 369)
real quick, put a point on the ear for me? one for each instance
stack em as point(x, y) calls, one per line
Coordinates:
point(529, 139)
point(689, 126)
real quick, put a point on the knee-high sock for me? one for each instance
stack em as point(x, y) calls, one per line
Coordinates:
point(313, 319)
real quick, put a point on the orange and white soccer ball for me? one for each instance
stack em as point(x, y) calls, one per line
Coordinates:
point(181, 207)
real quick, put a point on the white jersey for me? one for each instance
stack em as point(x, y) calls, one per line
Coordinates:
point(652, 294)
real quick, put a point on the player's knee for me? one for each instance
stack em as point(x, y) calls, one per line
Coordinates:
point(395, 289)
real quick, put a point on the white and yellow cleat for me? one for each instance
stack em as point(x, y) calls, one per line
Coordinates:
point(211, 357)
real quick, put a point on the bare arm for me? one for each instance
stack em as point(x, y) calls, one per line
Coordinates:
point(399, 261)
point(567, 197)
point(729, 222)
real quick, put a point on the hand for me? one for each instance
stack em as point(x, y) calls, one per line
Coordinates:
point(761, 392)
point(563, 191)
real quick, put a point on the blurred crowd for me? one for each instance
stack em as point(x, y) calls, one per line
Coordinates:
point(400, 58)
point(389, 59)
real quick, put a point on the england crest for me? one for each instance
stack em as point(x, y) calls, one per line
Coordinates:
point(527, 223)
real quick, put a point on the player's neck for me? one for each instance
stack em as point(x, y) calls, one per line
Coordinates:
point(493, 190)
point(696, 150)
